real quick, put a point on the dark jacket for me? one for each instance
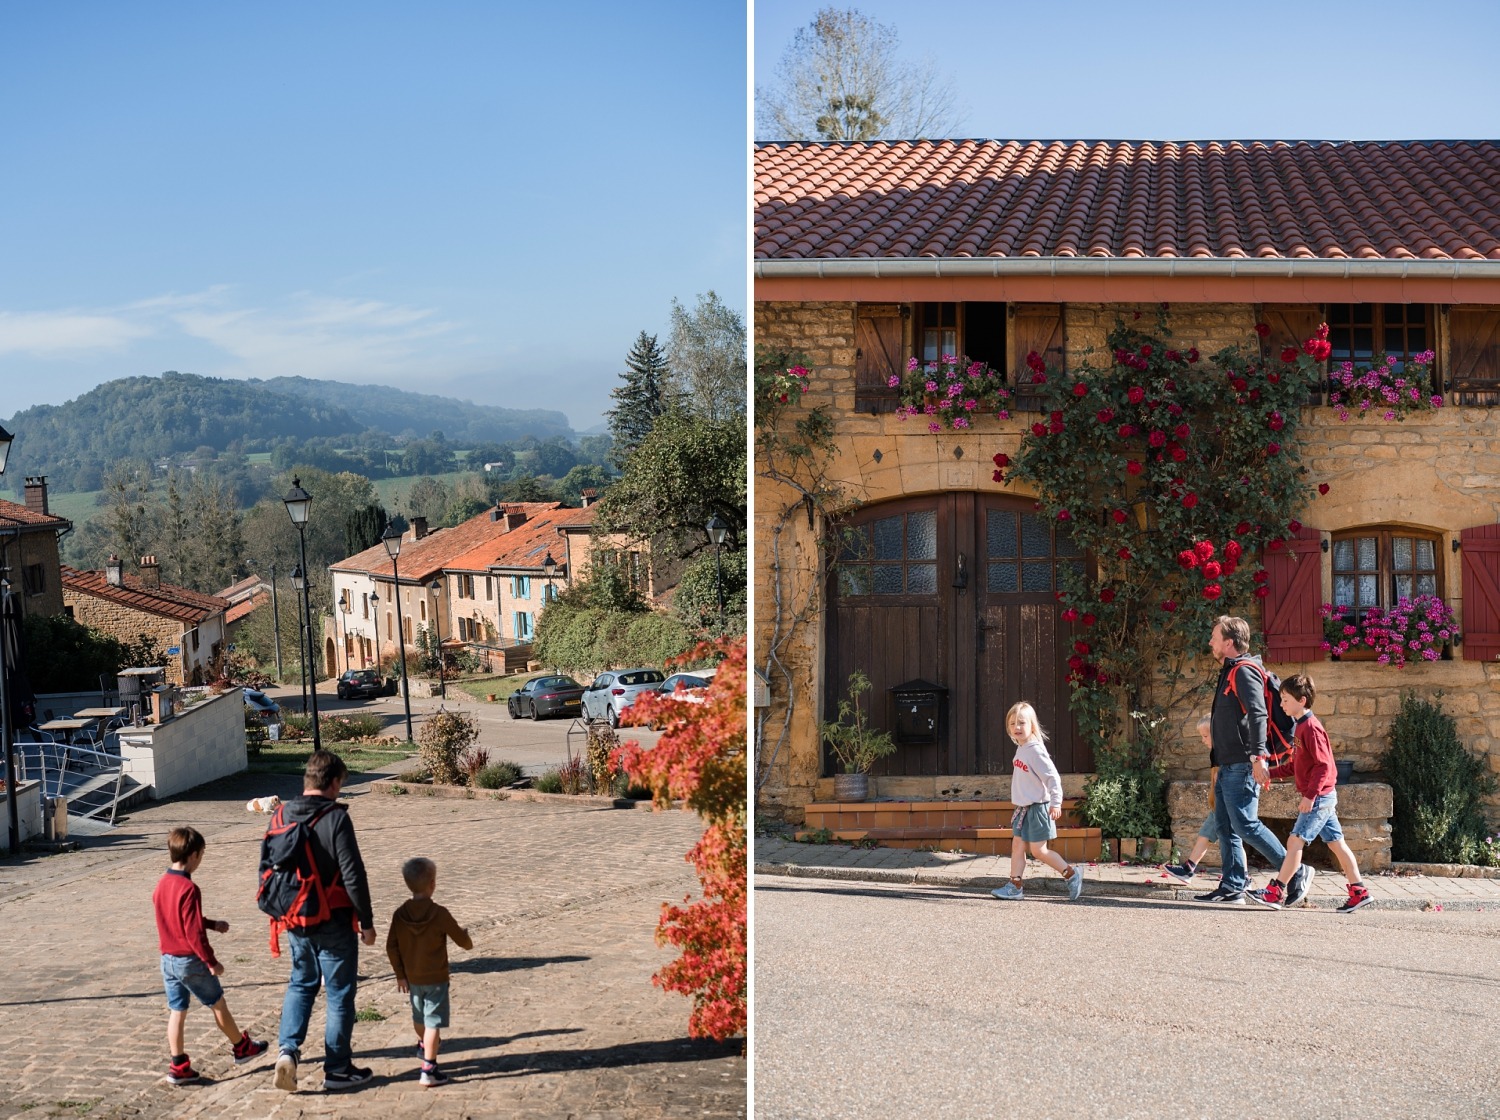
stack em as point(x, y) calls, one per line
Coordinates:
point(1237, 728)
point(336, 852)
point(418, 941)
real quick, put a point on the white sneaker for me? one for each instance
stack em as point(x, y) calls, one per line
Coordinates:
point(1010, 892)
point(286, 1071)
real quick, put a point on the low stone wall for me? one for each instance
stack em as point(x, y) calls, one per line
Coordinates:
point(961, 787)
point(199, 744)
point(1364, 814)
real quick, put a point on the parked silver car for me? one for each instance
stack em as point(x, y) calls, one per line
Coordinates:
point(612, 692)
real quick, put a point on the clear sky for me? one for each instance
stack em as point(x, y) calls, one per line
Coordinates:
point(1152, 69)
point(477, 198)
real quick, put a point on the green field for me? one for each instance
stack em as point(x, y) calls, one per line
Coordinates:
point(390, 488)
point(77, 508)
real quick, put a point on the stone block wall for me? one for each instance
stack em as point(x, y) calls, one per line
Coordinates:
point(202, 743)
point(130, 625)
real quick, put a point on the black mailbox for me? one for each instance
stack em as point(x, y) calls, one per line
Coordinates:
point(919, 711)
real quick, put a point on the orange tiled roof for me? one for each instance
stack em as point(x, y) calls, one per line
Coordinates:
point(168, 600)
point(245, 606)
point(526, 545)
point(1433, 200)
point(13, 515)
point(423, 559)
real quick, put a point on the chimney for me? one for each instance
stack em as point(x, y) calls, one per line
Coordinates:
point(36, 493)
point(150, 572)
point(418, 528)
point(590, 496)
point(112, 571)
point(497, 513)
point(514, 518)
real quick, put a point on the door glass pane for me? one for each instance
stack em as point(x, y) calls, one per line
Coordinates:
point(887, 579)
point(854, 581)
point(854, 544)
point(1002, 577)
point(1367, 591)
point(1065, 545)
point(1036, 577)
point(1365, 547)
point(1343, 591)
point(1343, 555)
point(1426, 558)
point(921, 579)
point(1076, 566)
point(1401, 553)
point(1427, 585)
point(1000, 533)
point(921, 536)
point(1036, 536)
point(887, 532)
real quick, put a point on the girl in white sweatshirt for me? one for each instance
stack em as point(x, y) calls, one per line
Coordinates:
point(1036, 791)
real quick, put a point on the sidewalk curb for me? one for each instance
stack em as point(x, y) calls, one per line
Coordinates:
point(919, 877)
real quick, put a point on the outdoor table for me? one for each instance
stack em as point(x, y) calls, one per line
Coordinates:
point(98, 713)
point(68, 727)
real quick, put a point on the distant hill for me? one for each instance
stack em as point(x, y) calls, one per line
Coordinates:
point(151, 417)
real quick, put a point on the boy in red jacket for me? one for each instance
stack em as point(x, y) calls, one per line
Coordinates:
point(188, 965)
point(1311, 768)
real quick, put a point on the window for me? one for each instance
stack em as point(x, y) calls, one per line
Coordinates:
point(463, 629)
point(549, 592)
point(887, 334)
point(967, 330)
point(1362, 332)
point(489, 589)
point(523, 626)
point(364, 605)
point(1023, 553)
point(406, 627)
point(390, 629)
point(520, 587)
point(424, 610)
point(34, 579)
point(892, 556)
point(1377, 567)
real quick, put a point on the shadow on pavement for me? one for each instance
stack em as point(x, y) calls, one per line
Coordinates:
point(462, 1042)
point(509, 964)
point(601, 1057)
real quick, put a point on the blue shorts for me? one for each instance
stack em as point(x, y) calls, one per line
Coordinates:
point(184, 976)
point(1321, 822)
point(1033, 823)
point(1210, 829)
point(429, 1004)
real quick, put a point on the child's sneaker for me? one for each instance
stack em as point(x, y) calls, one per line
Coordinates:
point(247, 1049)
point(286, 1071)
point(1223, 895)
point(346, 1078)
point(1182, 872)
point(1271, 895)
point(1296, 890)
point(432, 1076)
point(181, 1073)
point(1358, 896)
point(1075, 883)
point(1010, 892)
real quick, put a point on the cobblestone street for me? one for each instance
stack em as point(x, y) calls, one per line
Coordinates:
point(554, 1013)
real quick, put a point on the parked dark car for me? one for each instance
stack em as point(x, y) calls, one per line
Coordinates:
point(361, 684)
point(546, 696)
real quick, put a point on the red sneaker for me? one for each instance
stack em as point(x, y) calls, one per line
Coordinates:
point(1358, 896)
point(247, 1049)
point(180, 1073)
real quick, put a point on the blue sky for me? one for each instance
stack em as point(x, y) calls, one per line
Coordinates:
point(480, 199)
point(1179, 70)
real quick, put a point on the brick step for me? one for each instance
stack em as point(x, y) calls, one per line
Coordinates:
point(923, 814)
point(1071, 843)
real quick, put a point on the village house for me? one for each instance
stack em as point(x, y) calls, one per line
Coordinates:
point(244, 598)
point(871, 254)
point(28, 549)
point(187, 625)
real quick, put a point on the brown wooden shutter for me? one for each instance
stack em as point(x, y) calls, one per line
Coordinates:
point(1035, 327)
point(1291, 623)
point(1474, 349)
point(1479, 548)
point(1292, 324)
point(879, 346)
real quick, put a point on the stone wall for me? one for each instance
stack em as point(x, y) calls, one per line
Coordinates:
point(201, 743)
point(38, 548)
point(1437, 471)
point(130, 625)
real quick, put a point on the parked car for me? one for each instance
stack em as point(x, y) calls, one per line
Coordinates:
point(261, 707)
point(693, 690)
point(361, 684)
point(546, 696)
point(611, 693)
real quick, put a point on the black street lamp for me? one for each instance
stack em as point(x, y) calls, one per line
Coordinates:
point(391, 538)
point(437, 621)
point(298, 583)
point(344, 608)
point(14, 798)
point(549, 567)
point(718, 529)
point(298, 504)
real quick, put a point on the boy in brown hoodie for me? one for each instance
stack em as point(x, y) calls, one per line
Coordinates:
point(418, 947)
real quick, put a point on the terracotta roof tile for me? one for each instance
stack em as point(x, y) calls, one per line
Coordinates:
point(245, 606)
point(526, 545)
point(168, 600)
point(12, 514)
point(1411, 200)
point(423, 559)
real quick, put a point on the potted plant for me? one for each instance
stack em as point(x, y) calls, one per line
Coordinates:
point(854, 743)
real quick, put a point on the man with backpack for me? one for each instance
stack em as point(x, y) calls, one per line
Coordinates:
point(1238, 724)
point(313, 884)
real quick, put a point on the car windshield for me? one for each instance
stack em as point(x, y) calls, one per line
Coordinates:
point(558, 682)
point(362, 675)
point(644, 676)
point(687, 682)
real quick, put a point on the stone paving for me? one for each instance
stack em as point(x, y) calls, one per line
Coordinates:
point(775, 855)
point(554, 1013)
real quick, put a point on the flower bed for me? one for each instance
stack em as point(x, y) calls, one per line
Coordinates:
point(1414, 629)
point(949, 393)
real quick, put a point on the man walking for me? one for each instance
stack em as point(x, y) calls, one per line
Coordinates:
point(1237, 731)
point(326, 952)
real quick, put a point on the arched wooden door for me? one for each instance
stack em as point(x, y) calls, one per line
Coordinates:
point(956, 589)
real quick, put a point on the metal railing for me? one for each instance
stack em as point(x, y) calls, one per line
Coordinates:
point(52, 763)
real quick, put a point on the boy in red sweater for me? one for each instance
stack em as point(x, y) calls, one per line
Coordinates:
point(188, 965)
point(1311, 768)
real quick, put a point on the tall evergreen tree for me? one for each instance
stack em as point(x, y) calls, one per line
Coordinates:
point(642, 396)
point(363, 527)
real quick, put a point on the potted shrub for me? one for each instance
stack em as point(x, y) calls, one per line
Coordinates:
point(854, 743)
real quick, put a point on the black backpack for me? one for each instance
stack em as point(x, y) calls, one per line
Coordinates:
point(291, 892)
point(1281, 734)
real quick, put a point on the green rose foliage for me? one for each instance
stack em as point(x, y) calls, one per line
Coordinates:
point(1141, 460)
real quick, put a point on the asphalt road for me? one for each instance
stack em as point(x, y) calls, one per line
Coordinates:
point(875, 1001)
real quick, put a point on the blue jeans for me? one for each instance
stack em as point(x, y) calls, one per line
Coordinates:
point(1237, 801)
point(329, 952)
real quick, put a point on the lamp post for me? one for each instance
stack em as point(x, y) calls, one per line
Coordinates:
point(391, 538)
point(299, 581)
point(437, 620)
point(13, 800)
point(276, 621)
point(344, 606)
point(717, 531)
point(549, 568)
point(298, 504)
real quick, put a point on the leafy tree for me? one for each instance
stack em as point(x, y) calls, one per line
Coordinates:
point(554, 457)
point(497, 453)
point(841, 78)
point(131, 518)
point(641, 397)
point(707, 354)
point(596, 450)
point(696, 600)
point(427, 498)
point(427, 456)
point(524, 488)
point(585, 476)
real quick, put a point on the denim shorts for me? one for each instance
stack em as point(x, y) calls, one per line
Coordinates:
point(182, 976)
point(1033, 823)
point(429, 1004)
point(1210, 829)
point(1321, 822)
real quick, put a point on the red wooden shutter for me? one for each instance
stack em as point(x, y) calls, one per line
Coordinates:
point(1474, 350)
point(1036, 327)
point(878, 345)
point(1479, 549)
point(1292, 324)
point(1291, 623)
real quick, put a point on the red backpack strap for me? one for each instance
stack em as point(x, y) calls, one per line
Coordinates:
point(1232, 689)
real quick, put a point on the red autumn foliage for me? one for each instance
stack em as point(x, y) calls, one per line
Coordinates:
point(701, 759)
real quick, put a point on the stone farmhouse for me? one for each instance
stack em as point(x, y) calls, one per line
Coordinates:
point(870, 254)
point(186, 624)
point(28, 548)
